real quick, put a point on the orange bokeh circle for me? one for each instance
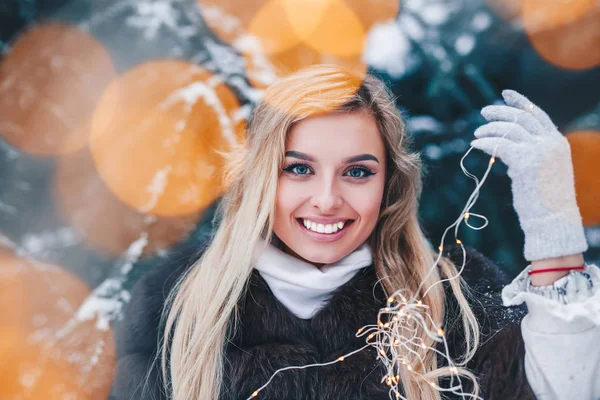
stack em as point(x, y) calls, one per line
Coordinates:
point(232, 29)
point(156, 133)
point(585, 152)
point(46, 352)
point(50, 81)
point(103, 221)
point(566, 34)
point(293, 34)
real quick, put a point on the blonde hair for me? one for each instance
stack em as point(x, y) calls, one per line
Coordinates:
point(203, 303)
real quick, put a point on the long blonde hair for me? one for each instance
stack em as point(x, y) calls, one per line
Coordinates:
point(203, 303)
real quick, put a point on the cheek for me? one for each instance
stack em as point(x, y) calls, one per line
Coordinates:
point(367, 203)
point(287, 198)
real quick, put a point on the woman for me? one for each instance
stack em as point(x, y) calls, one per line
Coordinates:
point(319, 226)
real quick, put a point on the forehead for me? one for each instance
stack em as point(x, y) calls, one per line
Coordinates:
point(343, 134)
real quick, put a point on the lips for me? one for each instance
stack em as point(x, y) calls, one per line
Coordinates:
point(335, 222)
point(324, 221)
point(325, 237)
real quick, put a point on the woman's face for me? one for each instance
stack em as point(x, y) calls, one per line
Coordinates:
point(333, 176)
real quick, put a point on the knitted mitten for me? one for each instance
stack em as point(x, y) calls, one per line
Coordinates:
point(539, 164)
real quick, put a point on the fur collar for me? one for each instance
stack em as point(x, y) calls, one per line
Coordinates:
point(270, 337)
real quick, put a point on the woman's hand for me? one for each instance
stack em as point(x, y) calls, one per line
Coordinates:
point(539, 164)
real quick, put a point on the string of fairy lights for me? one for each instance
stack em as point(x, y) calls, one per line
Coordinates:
point(397, 340)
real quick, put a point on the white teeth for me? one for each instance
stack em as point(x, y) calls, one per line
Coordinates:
point(323, 228)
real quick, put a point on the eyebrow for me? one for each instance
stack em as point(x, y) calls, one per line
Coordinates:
point(360, 157)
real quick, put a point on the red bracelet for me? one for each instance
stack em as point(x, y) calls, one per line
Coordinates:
point(539, 271)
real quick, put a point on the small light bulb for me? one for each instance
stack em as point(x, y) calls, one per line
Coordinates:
point(492, 160)
point(441, 248)
point(255, 393)
point(440, 332)
point(391, 300)
point(466, 215)
point(458, 241)
point(341, 358)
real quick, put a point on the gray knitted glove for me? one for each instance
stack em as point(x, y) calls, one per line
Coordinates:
point(539, 164)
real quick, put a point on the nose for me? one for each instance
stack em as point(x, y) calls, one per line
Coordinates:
point(327, 197)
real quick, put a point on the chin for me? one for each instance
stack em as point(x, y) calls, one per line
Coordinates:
point(321, 257)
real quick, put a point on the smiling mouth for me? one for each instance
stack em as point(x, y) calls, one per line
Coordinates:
point(346, 225)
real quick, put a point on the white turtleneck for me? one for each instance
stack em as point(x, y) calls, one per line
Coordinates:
point(302, 287)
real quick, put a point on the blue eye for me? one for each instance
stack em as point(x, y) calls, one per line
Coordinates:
point(356, 172)
point(298, 169)
point(359, 172)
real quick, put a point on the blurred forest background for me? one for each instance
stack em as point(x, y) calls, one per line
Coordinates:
point(110, 111)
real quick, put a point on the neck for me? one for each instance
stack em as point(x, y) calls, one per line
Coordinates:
point(304, 287)
point(291, 252)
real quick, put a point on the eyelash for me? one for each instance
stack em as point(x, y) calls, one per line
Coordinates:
point(367, 171)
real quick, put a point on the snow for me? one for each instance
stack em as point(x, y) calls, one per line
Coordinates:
point(411, 26)
point(104, 305)
point(253, 95)
point(435, 14)
point(228, 24)
point(424, 123)
point(191, 94)
point(44, 242)
point(439, 151)
point(242, 113)
point(388, 49)
point(481, 21)
point(224, 59)
point(156, 188)
point(151, 16)
point(134, 252)
point(433, 152)
point(464, 44)
point(413, 5)
point(593, 236)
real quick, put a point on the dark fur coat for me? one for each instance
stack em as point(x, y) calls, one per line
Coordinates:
point(270, 337)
